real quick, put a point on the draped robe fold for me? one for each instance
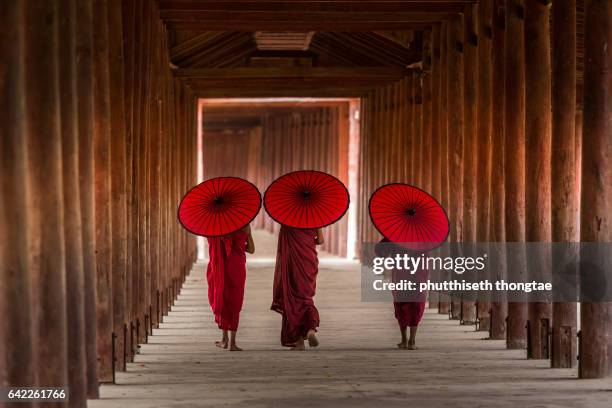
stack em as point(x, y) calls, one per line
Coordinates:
point(408, 314)
point(295, 279)
point(226, 276)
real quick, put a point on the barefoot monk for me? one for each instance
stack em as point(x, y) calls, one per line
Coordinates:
point(295, 278)
point(226, 276)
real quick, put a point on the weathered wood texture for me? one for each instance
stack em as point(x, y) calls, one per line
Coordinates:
point(17, 340)
point(564, 200)
point(596, 194)
point(514, 155)
point(483, 143)
point(497, 231)
point(470, 139)
point(455, 120)
point(538, 129)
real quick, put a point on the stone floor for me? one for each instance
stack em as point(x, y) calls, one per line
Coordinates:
point(356, 365)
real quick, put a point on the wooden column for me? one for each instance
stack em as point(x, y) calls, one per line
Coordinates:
point(444, 302)
point(75, 299)
point(455, 138)
point(118, 180)
point(17, 359)
point(497, 231)
point(102, 154)
point(129, 77)
point(84, 78)
point(596, 200)
point(564, 199)
point(483, 143)
point(515, 158)
point(470, 123)
point(426, 126)
point(435, 156)
point(46, 211)
point(538, 156)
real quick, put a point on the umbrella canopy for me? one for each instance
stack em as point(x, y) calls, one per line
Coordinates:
point(406, 214)
point(219, 206)
point(306, 199)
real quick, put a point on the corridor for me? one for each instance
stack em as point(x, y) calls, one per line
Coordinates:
point(356, 365)
point(112, 111)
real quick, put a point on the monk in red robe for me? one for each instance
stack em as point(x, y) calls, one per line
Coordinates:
point(226, 276)
point(295, 280)
point(407, 313)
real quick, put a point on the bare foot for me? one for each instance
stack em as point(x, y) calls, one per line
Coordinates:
point(412, 345)
point(403, 345)
point(221, 344)
point(312, 339)
point(234, 347)
point(299, 346)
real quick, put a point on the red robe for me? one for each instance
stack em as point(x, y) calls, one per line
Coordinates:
point(226, 276)
point(408, 314)
point(295, 279)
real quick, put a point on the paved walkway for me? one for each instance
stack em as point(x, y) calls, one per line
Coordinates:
point(356, 365)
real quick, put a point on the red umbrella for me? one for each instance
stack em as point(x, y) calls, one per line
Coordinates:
point(406, 214)
point(306, 199)
point(219, 206)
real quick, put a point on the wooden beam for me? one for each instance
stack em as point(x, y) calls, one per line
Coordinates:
point(297, 25)
point(361, 73)
point(455, 6)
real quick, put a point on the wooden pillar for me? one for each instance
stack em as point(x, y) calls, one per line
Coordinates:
point(483, 143)
point(515, 158)
point(129, 62)
point(497, 231)
point(102, 154)
point(596, 200)
point(564, 197)
point(434, 160)
point(444, 302)
point(84, 78)
point(426, 124)
point(470, 122)
point(118, 179)
point(75, 299)
point(538, 123)
point(46, 211)
point(455, 138)
point(17, 359)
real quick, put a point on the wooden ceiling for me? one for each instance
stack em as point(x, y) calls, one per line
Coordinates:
point(236, 48)
point(320, 48)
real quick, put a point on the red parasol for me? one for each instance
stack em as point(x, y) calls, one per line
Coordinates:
point(406, 214)
point(306, 199)
point(219, 206)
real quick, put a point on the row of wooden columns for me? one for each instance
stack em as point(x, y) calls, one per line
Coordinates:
point(491, 131)
point(98, 148)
